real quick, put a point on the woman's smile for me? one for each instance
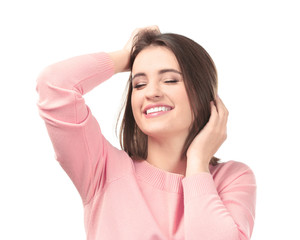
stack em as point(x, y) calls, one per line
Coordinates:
point(156, 110)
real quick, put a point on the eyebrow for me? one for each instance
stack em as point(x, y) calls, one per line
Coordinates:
point(162, 71)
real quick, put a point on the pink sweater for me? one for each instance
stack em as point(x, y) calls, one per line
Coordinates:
point(133, 200)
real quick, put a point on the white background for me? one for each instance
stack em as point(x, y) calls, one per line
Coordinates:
point(255, 45)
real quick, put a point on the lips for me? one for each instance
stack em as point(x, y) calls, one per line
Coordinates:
point(156, 108)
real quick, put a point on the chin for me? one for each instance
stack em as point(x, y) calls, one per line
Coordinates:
point(166, 132)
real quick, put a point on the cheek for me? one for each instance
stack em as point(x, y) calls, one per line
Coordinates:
point(182, 98)
point(135, 105)
point(134, 101)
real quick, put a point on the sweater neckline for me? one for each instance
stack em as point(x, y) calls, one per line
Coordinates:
point(158, 178)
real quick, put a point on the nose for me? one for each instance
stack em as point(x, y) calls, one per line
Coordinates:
point(153, 91)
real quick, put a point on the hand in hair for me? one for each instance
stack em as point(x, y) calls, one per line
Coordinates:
point(128, 45)
point(209, 139)
point(121, 58)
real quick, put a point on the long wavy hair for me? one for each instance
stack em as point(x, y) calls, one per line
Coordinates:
point(200, 80)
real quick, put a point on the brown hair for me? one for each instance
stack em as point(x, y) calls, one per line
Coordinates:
point(200, 79)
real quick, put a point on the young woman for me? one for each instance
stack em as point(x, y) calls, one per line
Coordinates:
point(165, 183)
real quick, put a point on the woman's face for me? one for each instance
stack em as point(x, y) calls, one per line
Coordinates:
point(159, 99)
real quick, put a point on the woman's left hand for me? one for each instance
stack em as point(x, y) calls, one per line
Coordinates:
point(209, 139)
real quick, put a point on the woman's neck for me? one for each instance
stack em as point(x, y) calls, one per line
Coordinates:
point(166, 154)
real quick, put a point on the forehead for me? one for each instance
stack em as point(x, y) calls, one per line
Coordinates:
point(154, 58)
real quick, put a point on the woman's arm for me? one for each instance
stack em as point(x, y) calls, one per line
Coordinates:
point(79, 146)
point(220, 206)
point(61, 86)
point(76, 137)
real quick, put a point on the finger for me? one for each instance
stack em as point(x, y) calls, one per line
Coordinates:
point(222, 104)
point(213, 107)
point(154, 27)
point(222, 110)
point(135, 35)
point(221, 117)
point(213, 114)
point(217, 124)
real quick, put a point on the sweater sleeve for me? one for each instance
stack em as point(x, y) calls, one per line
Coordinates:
point(222, 208)
point(76, 137)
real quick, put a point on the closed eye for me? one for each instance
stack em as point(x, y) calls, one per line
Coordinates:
point(171, 81)
point(139, 85)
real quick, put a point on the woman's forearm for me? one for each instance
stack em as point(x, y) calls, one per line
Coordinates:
point(61, 85)
point(121, 60)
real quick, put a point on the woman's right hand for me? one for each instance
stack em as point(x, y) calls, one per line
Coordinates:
point(121, 58)
point(129, 43)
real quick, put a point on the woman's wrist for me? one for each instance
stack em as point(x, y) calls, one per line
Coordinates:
point(196, 165)
point(121, 60)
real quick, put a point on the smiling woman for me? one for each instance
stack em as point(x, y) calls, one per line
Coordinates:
point(165, 182)
point(157, 61)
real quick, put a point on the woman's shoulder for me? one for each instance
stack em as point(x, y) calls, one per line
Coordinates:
point(231, 165)
point(232, 171)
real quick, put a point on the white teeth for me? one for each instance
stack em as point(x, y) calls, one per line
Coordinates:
point(158, 109)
